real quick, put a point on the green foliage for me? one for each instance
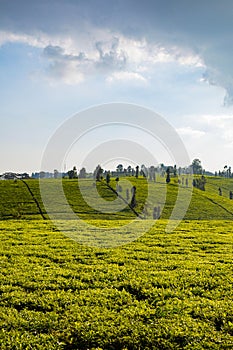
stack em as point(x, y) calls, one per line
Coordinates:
point(163, 291)
point(196, 166)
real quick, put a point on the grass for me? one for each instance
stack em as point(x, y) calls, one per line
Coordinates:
point(161, 291)
point(85, 200)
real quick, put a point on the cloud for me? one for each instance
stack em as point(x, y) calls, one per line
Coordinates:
point(100, 52)
point(130, 35)
point(222, 125)
point(115, 58)
point(112, 57)
point(68, 73)
point(126, 77)
point(68, 68)
point(190, 132)
point(39, 40)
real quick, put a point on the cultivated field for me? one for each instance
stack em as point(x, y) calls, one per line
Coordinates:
point(161, 291)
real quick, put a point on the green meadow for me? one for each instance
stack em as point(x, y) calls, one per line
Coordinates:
point(151, 289)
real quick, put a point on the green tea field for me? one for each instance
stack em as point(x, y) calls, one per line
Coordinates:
point(164, 290)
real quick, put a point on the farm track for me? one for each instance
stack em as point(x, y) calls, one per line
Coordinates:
point(124, 200)
point(221, 206)
point(34, 199)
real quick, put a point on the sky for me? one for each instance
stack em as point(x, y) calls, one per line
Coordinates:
point(58, 58)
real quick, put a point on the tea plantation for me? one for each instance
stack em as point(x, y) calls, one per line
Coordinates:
point(165, 290)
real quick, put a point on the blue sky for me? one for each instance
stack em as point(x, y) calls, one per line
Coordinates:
point(60, 57)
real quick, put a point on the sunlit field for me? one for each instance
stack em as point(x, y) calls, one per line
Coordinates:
point(160, 290)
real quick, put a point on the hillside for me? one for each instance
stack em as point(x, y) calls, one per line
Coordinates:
point(162, 291)
point(17, 202)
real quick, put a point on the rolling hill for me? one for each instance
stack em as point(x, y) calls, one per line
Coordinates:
point(22, 199)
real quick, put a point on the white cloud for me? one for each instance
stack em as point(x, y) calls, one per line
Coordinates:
point(112, 55)
point(197, 36)
point(38, 40)
point(68, 73)
point(126, 76)
point(188, 131)
point(219, 119)
point(222, 125)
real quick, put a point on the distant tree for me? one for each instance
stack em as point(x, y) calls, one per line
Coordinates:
point(117, 183)
point(75, 172)
point(137, 171)
point(82, 173)
point(129, 169)
point(72, 174)
point(152, 176)
point(168, 179)
point(108, 177)
point(98, 173)
point(144, 171)
point(196, 166)
point(42, 174)
point(155, 213)
point(127, 194)
point(133, 202)
point(202, 182)
point(119, 168)
point(55, 173)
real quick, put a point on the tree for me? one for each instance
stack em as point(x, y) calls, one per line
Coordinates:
point(119, 168)
point(133, 202)
point(55, 173)
point(82, 173)
point(144, 170)
point(227, 171)
point(98, 172)
point(129, 169)
point(168, 179)
point(196, 166)
point(152, 176)
point(70, 174)
point(108, 177)
point(42, 174)
point(73, 173)
point(200, 183)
